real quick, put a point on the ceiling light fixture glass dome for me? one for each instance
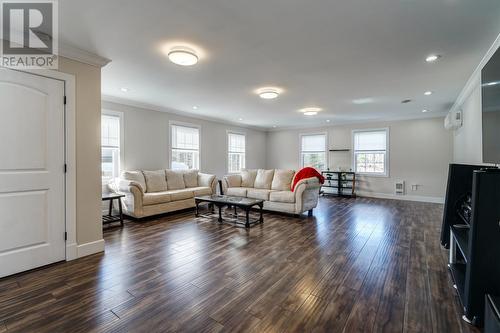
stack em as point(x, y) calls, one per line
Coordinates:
point(183, 56)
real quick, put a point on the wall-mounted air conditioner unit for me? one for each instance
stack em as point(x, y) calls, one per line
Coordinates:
point(453, 120)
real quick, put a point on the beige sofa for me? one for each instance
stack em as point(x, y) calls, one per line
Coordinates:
point(156, 192)
point(274, 187)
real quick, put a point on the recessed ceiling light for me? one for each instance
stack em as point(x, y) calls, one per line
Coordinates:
point(268, 92)
point(274, 126)
point(240, 119)
point(195, 107)
point(425, 110)
point(360, 101)
point(432, 57)
point(183, 56)
point(311, 109)
point(328, 120)
point(428, 93)
point(124, 89)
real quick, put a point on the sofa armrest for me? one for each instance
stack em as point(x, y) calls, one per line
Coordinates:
point(207, 180)
point(233, 180)
point(307, 194)
point(134, 193)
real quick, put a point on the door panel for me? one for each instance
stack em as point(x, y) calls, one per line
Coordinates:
point(32, 197)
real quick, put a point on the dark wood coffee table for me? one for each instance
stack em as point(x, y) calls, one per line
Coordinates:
point(221, 201)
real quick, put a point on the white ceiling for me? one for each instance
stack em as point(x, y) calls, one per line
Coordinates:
point(324, 53)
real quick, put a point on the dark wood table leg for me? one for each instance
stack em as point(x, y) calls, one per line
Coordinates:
point(220, 213)
point(197, 208)
point(261, 206)
point(110, 211)
point(120, 210)
point(247, 223)
point(235, 212)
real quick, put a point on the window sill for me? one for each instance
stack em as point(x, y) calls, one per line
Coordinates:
point(372, 175)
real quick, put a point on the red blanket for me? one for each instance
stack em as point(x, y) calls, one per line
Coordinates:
point(307, 172)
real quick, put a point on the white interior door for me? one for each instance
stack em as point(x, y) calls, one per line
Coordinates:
point(32, 198)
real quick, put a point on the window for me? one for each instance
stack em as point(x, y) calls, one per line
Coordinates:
point(313, 151)
point(370, 152)
point(235, 152)
point(110, 147)
point(185, 153)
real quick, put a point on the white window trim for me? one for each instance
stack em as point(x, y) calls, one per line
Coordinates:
point(107, 112)
point(227, 149)
point(185, 124)
point(386, 174)
point(327, 162)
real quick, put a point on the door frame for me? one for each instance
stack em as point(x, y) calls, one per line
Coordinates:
point(69, 154)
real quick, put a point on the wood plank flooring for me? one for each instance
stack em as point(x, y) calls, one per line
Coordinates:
point(358, 265)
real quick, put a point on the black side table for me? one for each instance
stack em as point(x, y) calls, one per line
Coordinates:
point(110, 196)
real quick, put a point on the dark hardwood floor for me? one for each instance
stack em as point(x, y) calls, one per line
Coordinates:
point(359, 265)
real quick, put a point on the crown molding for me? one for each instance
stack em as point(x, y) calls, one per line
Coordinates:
point(75, 53)
point(475, 78)
point(121, 104)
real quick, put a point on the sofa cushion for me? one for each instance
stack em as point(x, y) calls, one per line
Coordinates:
point(182, 194)
point(205, 180)
point(191, 178)
point(233, 180)
point(155, 198)
point(258, 193)
point(237, 191)
point(282, 196)
point(248, 177)
point(136, 176)
point(155, 181)
point(175, 179)
point(264, 179)
point(282, 180)
point(201, 190)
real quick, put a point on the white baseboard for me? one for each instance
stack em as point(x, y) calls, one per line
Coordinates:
point(419, 198)
point(87, 249)
point(71, 251)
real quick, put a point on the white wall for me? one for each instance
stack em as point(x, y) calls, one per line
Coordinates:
point(467, 140)
point(146, 140)
point(419, 153)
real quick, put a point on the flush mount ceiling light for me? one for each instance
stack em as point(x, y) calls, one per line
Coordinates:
point(428, 93)
point(432, 58)
point(310, 113)
point(183, 56)
point(268, 92)
point(425, 110)
point(124, 89)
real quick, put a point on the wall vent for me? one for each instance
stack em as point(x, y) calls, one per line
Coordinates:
point(399, 187)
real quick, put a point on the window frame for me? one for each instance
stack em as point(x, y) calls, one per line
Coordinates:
point(227, 149)
point(386, 173)
point(170, 148)
point(120, 115)
point(301, 135)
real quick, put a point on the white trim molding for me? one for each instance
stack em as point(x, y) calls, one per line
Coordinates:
point(87, 249)
point(75, 53)
point(418, 198)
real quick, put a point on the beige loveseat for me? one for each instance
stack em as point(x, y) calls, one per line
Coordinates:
point(155, 192)
point(274, 187)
